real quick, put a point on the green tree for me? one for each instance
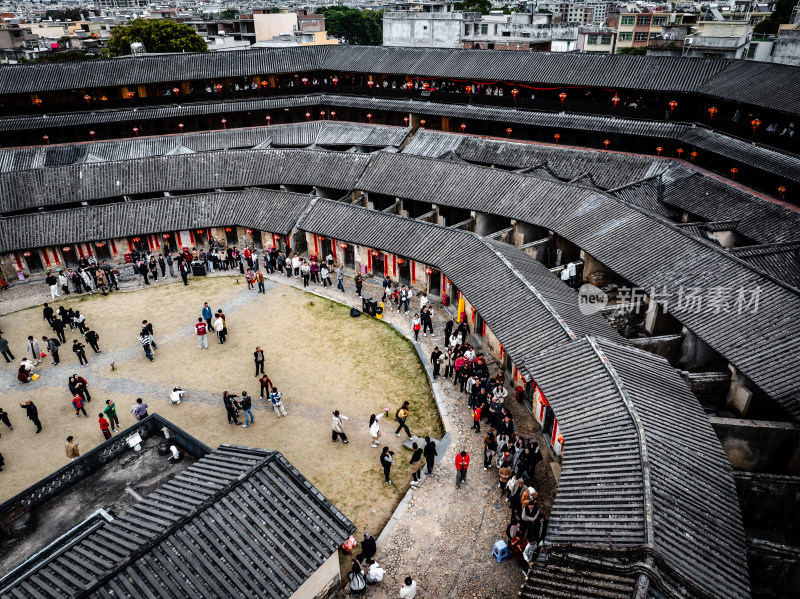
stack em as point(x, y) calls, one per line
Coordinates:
point(639, 51)
point(781, 14)
point(481, 6)
point(353, 26)
point(229, 13)
point(157, 35)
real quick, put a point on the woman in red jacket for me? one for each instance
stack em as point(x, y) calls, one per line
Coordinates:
point(462, 461)
point(104, 426)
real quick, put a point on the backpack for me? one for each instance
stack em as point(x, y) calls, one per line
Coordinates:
point(55, 342)
point(355, 312)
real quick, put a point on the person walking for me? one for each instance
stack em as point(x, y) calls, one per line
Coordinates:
point(416, 325)
point(374, 428)
point(415, 464)
point(77, 403)
point(489, 449)
point(386, 462)
point(246, 405)
point(337, 427)
point(359, 281)
point(52, 282)
point(4, 419)
point(430, 454)
point(147, 327)
point(5, 351)
point(147, 343)
point(326, 276)
point(409, 589)
point(32, 413)
point(92, 338)
point(220, 328)
point(258, 358)
point(340, 278)
point(71, 449)
point(206, 313)
point(80, 351)
point(277, 402)
point(79, 320)
point(47, 313)
point(400, 417)
point(34, 350)
point(201, 328)
point(462, 462)
point(58, 328)
point(427, 321)
point(104, 426)
point(139, 411)
point(436, 361)
point(111, 411)
point(230, 408)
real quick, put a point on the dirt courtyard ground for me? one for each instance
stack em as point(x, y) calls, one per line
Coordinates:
point(319, 357)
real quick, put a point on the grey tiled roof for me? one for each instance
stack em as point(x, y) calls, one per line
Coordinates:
point(779, 260)
point(260, 209)
point(240, 521)
point(771, 86)
point(642, 465)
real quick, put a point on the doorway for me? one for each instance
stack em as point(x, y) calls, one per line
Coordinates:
point(378, 268)
point(435, 282)
point(349, 256)
point(404, 271)
point(34, 261)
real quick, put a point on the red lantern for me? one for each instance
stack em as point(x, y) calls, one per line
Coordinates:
point(227, 230)
point(269, 118)
point(375, 253)
point(755, 123)
point(734, 170)
point(405, 120)
point(781, 191)
point(369, 117)
point(304, 80)
point(659, 149)
point(66, 248)
point(308, 116)
point(429, 271)
point(26, 254)
point(557, 136)
point(370, 83)
point(344, 245)
point(679, 151)
point(410, 85)
point(136, 131)
point(200, 231)
point(130, 95)
point(136, 239)
point(562, 96)
point(400, 260)
point(615, 100)
point(218, 87)
point(463, 127)
point(335, 81)
point(99, 244)
point(264, 84)
point(165, 235)
point(46, 138)
point(176, 90)
point(333, 115)
point(693, 155)
point(224, 123)
point(322, 114)
point(92, 134)
point(514, 93)
point(605, 143)
point(249, 231)
point(673, 105)
point(180, 126)
point(711, 112)
point(38, 102)
point(508, 132)
point(469, 89)
point(422, 122)
point(88, 98)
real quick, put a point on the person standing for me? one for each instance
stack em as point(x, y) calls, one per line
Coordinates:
point(71, 448)
point(462, 462)
point(374, 428)
point(77, 403)
point(573, 271)
point(337, 427)
point(5, 351)
point(386, 462)
point(80, 351)
point(427, 321)
point(340, 278)
point(207, 313)
point(201, 328)
point(79, 321)
point(219, 328)
point(359, 280)
point(146, 341)
point(4, 419)
point(277, 402)
point(246, 405)
point(258, 358)
point(230, 408)
point(183, 268)
point(170, 266)
point(163, 266)
point(104, 426)
point(305, 270)
point(415, 464)
point(47, 314)
point(436, 361)
point(34, 350)
point(430, 454)
point(52, 282)
point(489, 450)
point(147, 327)
point(139, 411)
point(409, 589)
point(476, 417)
point(92, 338)
point(416, 325)
point(260, 281)
point(33, 414)
point(111, 411)
point(400, 417)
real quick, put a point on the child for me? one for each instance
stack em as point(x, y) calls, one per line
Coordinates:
point(476, 416)
point(77, 403)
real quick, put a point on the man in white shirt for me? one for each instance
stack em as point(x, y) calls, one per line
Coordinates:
point(565, 275)
point(572, 272)
point(409, 589)
point(375, 572)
